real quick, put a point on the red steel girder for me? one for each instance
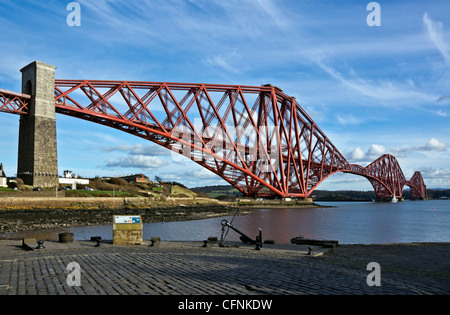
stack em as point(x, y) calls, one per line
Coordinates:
point(386, 177)
point(258, 139)
point(12, 102)
point(417, 186)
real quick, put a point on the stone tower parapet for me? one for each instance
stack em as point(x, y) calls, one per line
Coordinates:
point(37, 158)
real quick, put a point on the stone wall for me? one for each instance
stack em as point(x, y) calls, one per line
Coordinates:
point(17, 200)
point(35, 194)
point(54, 203)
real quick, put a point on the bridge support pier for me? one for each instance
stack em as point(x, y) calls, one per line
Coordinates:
point(37, 158)
point(400, 199)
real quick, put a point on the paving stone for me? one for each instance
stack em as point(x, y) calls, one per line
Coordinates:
point(176, 268)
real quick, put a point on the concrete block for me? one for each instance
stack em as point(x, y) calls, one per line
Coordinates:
point(127, 230)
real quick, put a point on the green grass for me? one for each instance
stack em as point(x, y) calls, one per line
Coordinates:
point(6, 189)
point(98, 193)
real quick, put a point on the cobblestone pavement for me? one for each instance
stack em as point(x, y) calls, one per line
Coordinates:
point(178, 269)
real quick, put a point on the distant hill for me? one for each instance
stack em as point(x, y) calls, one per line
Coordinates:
point(218, 191)
point(343, 195)
point(438, 193)
point(228, 191)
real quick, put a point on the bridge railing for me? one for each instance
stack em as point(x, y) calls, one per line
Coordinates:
point(357, 169)
point(13, 102)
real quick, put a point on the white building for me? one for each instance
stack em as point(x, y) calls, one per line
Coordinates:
point(3, 179)
point(68, 179)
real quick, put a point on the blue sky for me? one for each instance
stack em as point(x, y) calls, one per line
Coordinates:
point(372, 90)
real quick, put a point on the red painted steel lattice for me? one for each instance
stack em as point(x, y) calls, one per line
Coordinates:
point(417, 185)
point(258, 139)
point(12, 102)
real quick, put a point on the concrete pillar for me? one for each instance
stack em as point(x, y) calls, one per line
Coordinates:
point(37, 159)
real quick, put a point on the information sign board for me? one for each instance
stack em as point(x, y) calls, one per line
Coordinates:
point(123, 219)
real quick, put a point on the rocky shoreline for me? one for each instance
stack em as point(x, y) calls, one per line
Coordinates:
point(21, 217)
point(16, 223)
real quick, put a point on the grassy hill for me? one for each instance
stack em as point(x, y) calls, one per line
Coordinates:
point(218, 191)
point(118, 187)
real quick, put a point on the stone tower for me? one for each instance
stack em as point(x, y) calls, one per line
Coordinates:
point(37, 158)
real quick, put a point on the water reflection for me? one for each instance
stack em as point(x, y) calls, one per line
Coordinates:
point(349, 223)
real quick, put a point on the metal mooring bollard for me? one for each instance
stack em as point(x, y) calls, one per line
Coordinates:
point(310, 251)
point(40, 245)
point(99, 242)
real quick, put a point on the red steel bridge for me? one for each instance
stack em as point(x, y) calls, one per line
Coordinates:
point(257, 138)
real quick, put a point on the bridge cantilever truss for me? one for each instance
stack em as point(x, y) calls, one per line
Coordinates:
point(417, 186)
point(12, 102)
point(258, 139)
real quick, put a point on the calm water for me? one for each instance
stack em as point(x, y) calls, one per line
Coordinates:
point(347, 222)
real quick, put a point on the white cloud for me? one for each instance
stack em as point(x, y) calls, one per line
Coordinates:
point(384, 91)
point(204, 173)
point(376, 150)
point(431, 172)
point(435, 32)
point(139, 149)
point(436, 177)
point(442, 113)
point(195, 176)
point(357, 154)
point(136, 161)
point(349, 119)
point(272, 11)
point(434, 145)
point(226, 62)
